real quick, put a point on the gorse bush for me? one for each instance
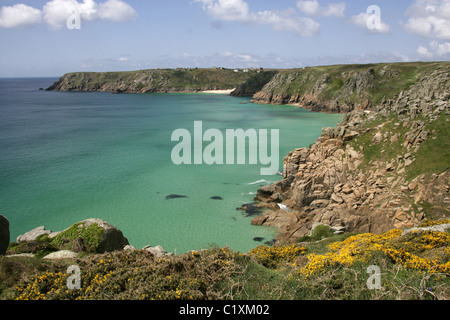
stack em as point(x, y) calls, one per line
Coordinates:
point(139, 275)
point(273, 257)
point(409, 251)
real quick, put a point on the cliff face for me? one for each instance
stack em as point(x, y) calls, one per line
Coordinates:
point(377, 170)
point(254, 84)
point(152, 81)
point(341, 89)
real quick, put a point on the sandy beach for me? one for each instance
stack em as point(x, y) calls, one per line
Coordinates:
point(219, 91)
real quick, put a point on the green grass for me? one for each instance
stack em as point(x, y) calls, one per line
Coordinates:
point(434, 153)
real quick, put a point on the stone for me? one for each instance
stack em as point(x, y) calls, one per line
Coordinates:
point(337, 198)
point(62, 254)
point(113, 238)
point(110, 239)
point(378, 137)
point(351, 135)
point(21, 255)
point(157, 251)
point(320, 203)
point(346, 189)
point(267, 194)
point(394, 138)
point(32, 235)
point(401, 216)
point(390, 167)
point(4, 234)
point(413, 185)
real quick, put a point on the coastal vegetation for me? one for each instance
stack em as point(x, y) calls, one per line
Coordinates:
point(414, 265)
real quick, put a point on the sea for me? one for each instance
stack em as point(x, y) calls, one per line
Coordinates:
point(69, 156)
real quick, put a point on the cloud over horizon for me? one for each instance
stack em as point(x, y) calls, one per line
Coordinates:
point(56, 12)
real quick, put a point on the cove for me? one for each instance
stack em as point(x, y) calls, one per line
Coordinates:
point(66, 157)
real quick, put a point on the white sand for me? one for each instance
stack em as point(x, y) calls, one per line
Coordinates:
point(219, 91)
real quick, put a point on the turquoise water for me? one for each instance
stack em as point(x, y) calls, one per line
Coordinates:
point(66, 157)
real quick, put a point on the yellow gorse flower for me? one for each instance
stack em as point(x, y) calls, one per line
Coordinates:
point(362, 247)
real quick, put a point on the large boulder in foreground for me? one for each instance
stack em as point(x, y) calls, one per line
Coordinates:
point(91, 235)
point(4, 234)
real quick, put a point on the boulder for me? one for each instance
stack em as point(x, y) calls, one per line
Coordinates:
point(32, 235)
point(62, 254)
point(113, 238)
point(92, 235)
point(4, 234)
point(157, 251)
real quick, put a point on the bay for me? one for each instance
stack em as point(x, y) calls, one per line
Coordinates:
point(69, 156)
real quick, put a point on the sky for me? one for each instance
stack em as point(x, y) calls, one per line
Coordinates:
point(48, 38)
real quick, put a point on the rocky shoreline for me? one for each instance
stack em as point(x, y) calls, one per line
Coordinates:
point(333, 183)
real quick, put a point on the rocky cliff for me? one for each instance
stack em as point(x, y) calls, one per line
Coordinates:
point(342, 88)
point(153, 81)
point(377, 170)
point(254, 84)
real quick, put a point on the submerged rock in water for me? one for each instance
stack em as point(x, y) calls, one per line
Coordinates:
point(251, 209)
point(258, 239)
point(216, 198)
point(175, 196)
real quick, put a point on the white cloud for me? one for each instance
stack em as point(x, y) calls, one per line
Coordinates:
point(227, 10)
point(424, 52)
point(435, 50)
point(429, 18)
point(362, 19)
point(239, 11)
point(56, 12)
point(441, 49)
point(19, 16)
point(313, 8)
point(116, 10)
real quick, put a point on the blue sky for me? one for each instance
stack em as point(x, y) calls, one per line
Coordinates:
point(118, 35)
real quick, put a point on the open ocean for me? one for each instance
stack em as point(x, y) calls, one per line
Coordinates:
point(69, 156)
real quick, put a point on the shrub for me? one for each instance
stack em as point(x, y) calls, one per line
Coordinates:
point(272, 257)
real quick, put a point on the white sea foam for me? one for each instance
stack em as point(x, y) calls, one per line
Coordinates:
point(259, 181)
point(248, 194)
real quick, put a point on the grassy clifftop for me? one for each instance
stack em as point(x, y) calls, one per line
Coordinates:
point(343, 88)
point(150, 81)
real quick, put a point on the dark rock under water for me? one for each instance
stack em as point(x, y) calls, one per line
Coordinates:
point(175, 196)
